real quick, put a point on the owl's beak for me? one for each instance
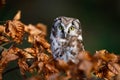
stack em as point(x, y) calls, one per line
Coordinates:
point(65, 35)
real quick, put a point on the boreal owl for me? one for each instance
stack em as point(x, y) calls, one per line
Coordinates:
point(66, 39)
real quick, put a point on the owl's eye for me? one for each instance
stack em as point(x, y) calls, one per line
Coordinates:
point(61, 27)
point(71, 28)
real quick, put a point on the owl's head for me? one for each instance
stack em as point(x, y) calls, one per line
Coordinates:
point(65, 27)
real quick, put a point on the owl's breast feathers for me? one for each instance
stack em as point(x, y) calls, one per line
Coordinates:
point(67, 49)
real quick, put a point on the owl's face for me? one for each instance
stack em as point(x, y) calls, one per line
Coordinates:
point(65, 27)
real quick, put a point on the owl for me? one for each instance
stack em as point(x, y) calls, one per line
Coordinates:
point(66, 39)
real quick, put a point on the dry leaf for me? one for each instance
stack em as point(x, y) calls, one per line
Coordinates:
point(2, 28)
point(15, 29)
point(17, 16)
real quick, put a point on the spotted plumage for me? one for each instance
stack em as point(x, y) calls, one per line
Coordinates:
point(66, 39)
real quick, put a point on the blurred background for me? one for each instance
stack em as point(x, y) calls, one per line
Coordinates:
point(100, 19)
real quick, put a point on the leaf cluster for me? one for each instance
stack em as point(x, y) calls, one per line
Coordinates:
point(38, 58)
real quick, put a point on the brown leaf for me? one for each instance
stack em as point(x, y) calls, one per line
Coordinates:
point(17, 16)
point(43, 57)
point(86, 66)
point(31, 39)
point(51, 68)
point(40, 66)
point(61, 65)
point(7, 57)
point(15, 29)
point(2, 28)
point(34, 78)
point(23, 66)
point(57, 76)
point(32, 51)
point(84, 55)
point(3, 38)
point(106, 64)
point(43, 28)
point(104, 55)
point(32, 30)
point(117, 77)
point(43, 42)
point(114, 67)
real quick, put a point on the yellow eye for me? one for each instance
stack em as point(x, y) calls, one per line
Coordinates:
point(61, 28)
point(71, 28)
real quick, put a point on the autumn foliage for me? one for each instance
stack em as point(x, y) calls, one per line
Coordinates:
point(38, 57)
